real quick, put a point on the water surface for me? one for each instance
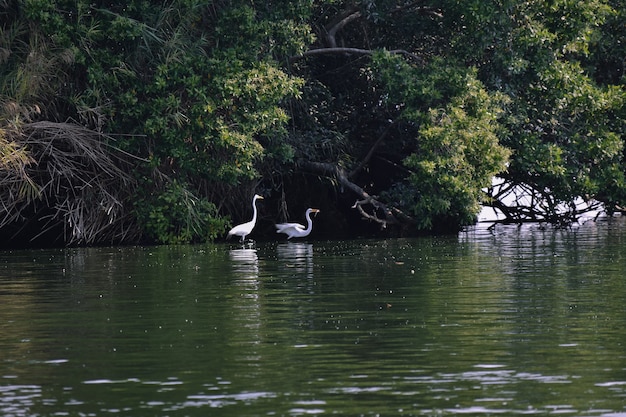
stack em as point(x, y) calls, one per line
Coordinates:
point(516, 321)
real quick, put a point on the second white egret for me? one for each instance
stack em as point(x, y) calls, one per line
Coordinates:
point(296, 229)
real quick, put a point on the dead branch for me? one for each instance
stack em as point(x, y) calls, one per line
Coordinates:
point(350, 15)
point(335, 26)
point(527, 204)
point(367, 205)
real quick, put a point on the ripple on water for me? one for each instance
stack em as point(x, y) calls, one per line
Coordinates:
point(18, 400)
point(222, 400)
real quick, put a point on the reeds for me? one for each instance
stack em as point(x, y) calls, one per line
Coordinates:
point(70, 179)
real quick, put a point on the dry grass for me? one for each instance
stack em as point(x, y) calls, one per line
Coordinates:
point(72, 179)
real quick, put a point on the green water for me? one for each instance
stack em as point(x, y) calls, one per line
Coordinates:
point(519, 321)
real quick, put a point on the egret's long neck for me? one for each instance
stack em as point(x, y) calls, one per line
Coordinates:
point(309, 222)
point(254, 210)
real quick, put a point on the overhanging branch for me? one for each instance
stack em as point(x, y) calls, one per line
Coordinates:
point(334, 27)
point(523, 203)
point(352, 51)
point(367, 205)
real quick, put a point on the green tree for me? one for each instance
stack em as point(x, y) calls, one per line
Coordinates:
point(547, 97)
point(566, 122)
point(173, 84)
point(457, 151)
point(415, 132)
point(211, 101)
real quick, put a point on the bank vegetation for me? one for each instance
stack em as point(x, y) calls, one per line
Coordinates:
point(143, 122)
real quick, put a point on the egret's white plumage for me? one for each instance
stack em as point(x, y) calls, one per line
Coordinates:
point(244, 229)
point(296, 229)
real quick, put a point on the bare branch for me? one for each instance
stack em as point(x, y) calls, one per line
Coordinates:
point(331, 31)
point(522, 203)
point(352, 51)
point(379, 212)
point(430, 11)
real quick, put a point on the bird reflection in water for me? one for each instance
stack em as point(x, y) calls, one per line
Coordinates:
point(244, 256)
point(245, 264)
point(246, 306)
point(297, 256)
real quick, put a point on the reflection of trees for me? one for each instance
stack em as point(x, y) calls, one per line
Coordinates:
point(546, 286)
point(485, 315)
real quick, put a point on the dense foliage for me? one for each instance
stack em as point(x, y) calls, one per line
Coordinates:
point(408, 108)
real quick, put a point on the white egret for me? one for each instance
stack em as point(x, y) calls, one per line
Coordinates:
point(296, 229)
point(244, 229)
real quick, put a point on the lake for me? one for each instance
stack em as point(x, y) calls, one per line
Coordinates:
point(513, 321)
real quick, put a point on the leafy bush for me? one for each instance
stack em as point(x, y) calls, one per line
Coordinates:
point(455, 143)
point(174, 215)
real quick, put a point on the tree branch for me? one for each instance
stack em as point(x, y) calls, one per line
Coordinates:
point(527, 204)
point(352, 51)
point(379, 212)
point(430, 11)
point(332, 29)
